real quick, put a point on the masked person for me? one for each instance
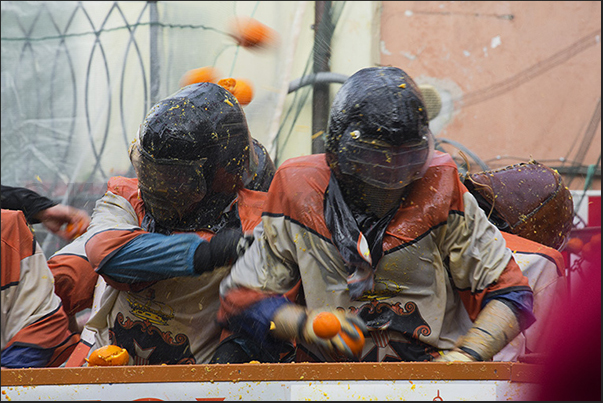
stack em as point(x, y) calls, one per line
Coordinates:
point(163, 241)
point(531, 206)
point(380, 230)
point(75, 278)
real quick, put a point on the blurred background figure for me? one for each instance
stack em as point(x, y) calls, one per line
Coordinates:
point(73, 283)
point(74, 278)
point(572, 364)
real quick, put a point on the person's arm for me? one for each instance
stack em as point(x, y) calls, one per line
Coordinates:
point(267, 318)
point(65, 221)
point(493, 289)
point(122, 252)
point(256, 301)
point(74, 278)
point(154, 257)
point(25, 200)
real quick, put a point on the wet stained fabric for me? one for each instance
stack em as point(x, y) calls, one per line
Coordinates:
point(159, 319)
point(442, 262)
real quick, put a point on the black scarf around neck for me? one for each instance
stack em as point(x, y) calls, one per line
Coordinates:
point(360, 246)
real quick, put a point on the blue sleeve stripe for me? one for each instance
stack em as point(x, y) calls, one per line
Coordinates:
point(153, 257)
point(25, 357)
point(521, 303)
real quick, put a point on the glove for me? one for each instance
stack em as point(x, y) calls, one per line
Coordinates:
point(294, 322)
point(223, 249)
point(454, 355)
point(495, 326)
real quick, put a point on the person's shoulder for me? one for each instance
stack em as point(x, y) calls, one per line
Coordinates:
point(122, 185)
point(306, 166)
point(442, 169)
point(16, 234)
point(128, 189)
point(298, 187)
point(13, 219)
point(313, 161)
point(12, 215)
point(519, 244)
point(442, 159)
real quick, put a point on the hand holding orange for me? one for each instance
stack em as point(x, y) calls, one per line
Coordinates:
point(326, 325)
point(75, 229)
point(356, 345)
point(337, 332)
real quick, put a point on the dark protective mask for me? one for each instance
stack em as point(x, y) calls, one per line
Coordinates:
point(381, 165)
point(171, 188)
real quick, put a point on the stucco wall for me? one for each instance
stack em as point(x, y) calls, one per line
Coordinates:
point(520, 80)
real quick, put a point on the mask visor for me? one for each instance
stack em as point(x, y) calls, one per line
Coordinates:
point(171, 188)
point(384, 166)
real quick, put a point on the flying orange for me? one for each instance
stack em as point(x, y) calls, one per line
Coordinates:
point(250, 33)
point(241, 88)
point(207, 74)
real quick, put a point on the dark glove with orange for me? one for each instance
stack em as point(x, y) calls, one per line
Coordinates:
point(338, 334)
point(223, 249)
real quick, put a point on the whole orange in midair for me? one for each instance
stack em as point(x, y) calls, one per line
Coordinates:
point(250, 33)
point(207, 74)
point(326, 325)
